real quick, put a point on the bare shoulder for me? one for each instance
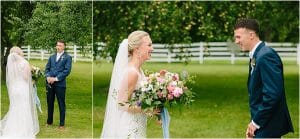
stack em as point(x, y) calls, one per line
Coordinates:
point(23, 65)
point(132, 73)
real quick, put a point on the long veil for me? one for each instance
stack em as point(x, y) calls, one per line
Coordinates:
point(112, 112)
point(14, 73)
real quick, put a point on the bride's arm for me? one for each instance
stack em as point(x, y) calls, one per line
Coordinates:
point(26, 70)
point(127, 86)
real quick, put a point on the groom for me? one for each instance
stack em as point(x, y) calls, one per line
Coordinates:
point(57, 69)
point(270, 116)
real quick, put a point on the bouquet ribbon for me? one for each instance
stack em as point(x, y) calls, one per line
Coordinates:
point(165, 117)
point(36, 98)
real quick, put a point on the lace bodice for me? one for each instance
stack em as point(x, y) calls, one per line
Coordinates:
point(137, 124)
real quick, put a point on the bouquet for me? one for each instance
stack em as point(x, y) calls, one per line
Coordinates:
point(36, 73)
point(161, 89)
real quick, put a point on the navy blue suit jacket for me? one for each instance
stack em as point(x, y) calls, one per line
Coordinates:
point(267, 99)
point(60, 69)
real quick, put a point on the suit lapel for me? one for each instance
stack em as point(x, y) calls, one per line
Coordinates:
point(262, 44)
point(54, 58)
point(61, 57)
point(258, 48)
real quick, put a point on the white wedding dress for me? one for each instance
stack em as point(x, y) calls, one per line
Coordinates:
point(119, 123)
point(132, 125)
point(21, 119)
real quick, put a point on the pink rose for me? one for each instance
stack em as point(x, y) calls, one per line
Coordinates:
point(177, 92)
point(175, 77)
point(162, 72)
point(171, 87)
point(161, 80)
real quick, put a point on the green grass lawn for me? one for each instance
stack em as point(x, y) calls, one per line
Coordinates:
point(78, 123)
point(221, 106)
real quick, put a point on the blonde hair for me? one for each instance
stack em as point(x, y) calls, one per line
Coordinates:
point(135, 40)
point(17, 50)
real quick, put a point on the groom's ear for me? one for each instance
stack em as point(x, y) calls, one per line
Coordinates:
point(252, 33)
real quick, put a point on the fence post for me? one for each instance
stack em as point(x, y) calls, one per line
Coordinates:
point(28, 52)
point(298, 53)
point(232, 58)
point(42, 54)
point(75, 53)
point(201, 49)
point(169, 56)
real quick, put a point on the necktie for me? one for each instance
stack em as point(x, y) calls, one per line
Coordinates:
point(250, 67)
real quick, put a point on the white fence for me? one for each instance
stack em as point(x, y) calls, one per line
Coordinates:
point(203, 51)
point(200, 52)
point(76, 52)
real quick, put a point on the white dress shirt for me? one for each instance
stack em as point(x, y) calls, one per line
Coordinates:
point(251, 53)
point(58, 55)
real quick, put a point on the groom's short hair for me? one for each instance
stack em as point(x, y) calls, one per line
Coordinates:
point(250, 24)
point(61, 41)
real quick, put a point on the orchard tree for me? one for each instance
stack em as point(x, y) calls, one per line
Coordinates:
point(52, 21)
point(190, 21)
point(14, 16)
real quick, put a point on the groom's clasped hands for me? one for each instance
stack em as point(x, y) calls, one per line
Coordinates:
point(51, 80)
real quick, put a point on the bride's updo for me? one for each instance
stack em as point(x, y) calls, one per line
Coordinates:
point(135, 39)
point(17, 50)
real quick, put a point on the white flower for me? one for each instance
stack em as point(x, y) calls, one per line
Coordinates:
point(143, 83)
point(150, 87)
point(144, 89)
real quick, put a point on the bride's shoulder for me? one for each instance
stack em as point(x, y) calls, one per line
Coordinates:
point(131, 71)
point(23, 64)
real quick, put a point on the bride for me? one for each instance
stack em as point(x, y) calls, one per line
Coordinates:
point(124, 121)
point(21, 119)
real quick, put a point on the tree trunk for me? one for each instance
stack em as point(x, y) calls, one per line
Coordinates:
point(5, 42)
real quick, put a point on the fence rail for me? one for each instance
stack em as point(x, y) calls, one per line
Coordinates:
point(202, 51)
point(76, 52)
point(199, 51)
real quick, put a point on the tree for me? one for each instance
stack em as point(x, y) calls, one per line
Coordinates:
point(14, 15)
point(52, 21)
point(190, 21)
point(279, 20)
point(113, 21)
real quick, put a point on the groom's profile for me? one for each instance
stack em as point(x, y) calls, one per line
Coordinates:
point(270, 116)
point(57, 69)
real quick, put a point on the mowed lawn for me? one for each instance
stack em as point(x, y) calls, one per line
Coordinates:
point(221, 103)
point(78, 123)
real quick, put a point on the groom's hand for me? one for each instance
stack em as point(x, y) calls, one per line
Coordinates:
point(250, 130)
point(51, 80)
